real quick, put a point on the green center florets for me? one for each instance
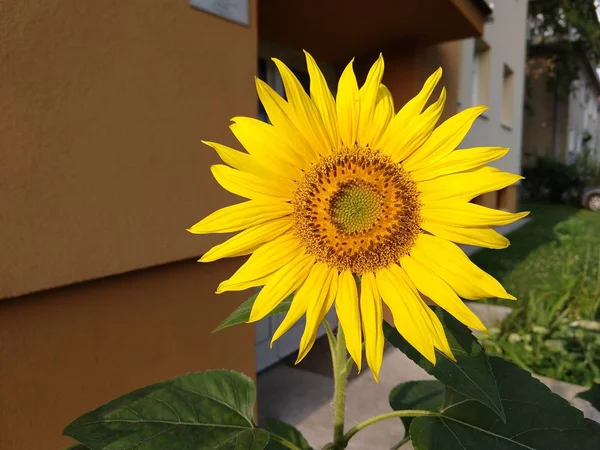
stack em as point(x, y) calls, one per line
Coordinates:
point(355, 207)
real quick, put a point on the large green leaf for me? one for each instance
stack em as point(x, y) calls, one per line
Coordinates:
point(536, 419)
point(416, 395)
point(242, 312)
point(284, 432)
point(471, 375)
point(592, 395)
point(200, 410)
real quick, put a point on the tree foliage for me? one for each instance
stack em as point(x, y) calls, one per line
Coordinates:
point(563, 35)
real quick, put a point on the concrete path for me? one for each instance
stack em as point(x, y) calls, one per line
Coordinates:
point(301, 395)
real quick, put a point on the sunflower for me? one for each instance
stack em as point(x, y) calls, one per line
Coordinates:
point(345, 189)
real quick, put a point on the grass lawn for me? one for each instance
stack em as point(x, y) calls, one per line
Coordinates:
point(553, 267)
point(556, 253)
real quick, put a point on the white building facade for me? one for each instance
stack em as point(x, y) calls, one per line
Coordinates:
point(493, 74)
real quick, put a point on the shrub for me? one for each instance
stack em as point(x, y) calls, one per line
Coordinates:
point(557, 182)
point(552, 180)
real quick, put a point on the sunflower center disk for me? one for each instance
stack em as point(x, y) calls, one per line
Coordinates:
point(355, 207)
point(357, 210)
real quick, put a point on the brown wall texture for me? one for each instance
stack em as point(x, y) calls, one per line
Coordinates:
point(66, 351)
point(103, 107)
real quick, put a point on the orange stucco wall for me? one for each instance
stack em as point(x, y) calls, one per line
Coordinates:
point(103, 108)
point(66, 351)
point(104, 104)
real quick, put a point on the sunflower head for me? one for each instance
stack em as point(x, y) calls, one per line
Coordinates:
point(357, 210)
point(347, 187)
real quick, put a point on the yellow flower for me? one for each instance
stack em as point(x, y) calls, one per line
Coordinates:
point(346, 187)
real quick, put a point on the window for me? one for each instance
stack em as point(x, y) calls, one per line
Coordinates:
point(571, 140)
point(480, 83)
point(507, 96)
point(579, 142)
point(570, 157)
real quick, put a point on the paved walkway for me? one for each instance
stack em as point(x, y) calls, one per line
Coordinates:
point(301, 395)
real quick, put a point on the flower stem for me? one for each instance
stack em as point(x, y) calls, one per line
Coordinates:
point(331, 339)
point(285, 442)
point(390, 415)
point(340, 376)
point(402, 442)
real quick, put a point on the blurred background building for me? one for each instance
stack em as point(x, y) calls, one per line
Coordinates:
point(103, 108)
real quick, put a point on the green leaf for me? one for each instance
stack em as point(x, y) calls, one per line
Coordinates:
point(286, 432)
point(212, 409)
point(242, 312)
point(471, 375)
point(592, 395)
point(417, 395)
point(536, 419)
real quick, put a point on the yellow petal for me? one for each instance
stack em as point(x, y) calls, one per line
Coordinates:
point(243, 285)
point(438, 336)
point(416, 132)
point(348, 106)
point(269, 146)
point(251, 186)
point(368, 103)
point(321, 95)
point(409, 111)
point(316, 312)
point(384, 112)
point(346, 306)
point(311, 292)
point(242, 215)
point(481, 237)
point(248, 240)
point(440, 340)
point(451, 264)
point(460, 161)
point(265, 261)
point(437, 290)
point(278, 111)
point(466, 185)
point(240, 160)
point(307, 117)
point(466, 214)
point(444, 139)
point(410, 318)
point(371, 313)
point(281, 284)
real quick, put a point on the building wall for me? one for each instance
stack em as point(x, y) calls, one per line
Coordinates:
point(103, 169)
point(66, 351)
point(565, 122)
point(582, 115)
point(447, 56)
point(103, 108)
point(540, 114)
point(505, 48)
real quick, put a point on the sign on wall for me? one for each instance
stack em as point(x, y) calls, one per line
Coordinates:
point(234, 10)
